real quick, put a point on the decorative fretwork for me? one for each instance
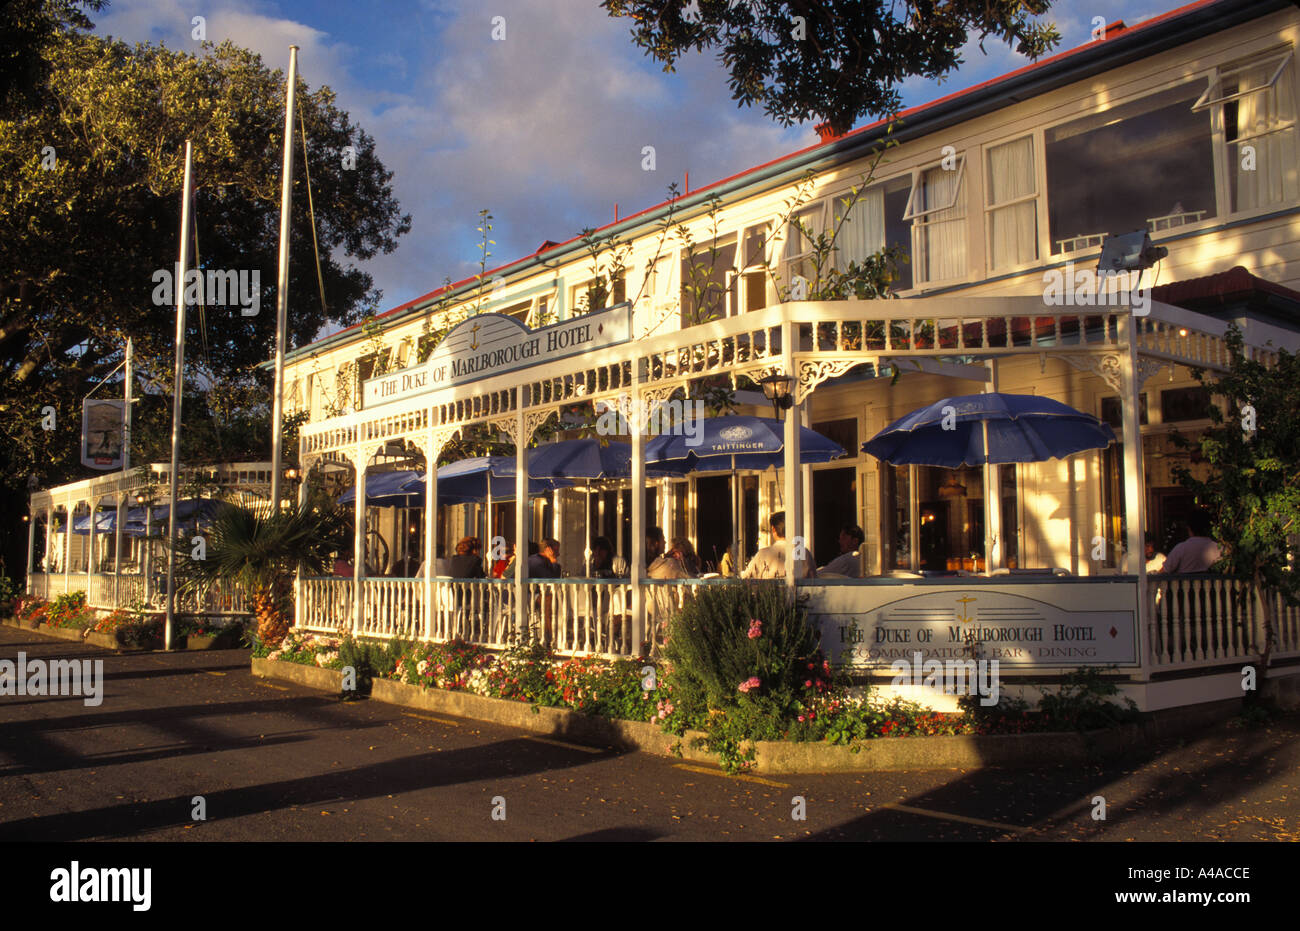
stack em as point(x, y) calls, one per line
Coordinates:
point(1105, 365)
point(532, 420)
point(1148, 367)
point(812, 373)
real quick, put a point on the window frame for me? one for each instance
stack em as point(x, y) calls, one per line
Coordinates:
point(1037, 141)
point(910, 213)
point(1217, 140)
point(1217, 74)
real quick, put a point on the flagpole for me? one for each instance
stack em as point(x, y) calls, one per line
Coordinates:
point(282, 286)
point(177, 390)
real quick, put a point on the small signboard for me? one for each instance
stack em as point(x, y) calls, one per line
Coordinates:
point(491, 344)
point(101, 434)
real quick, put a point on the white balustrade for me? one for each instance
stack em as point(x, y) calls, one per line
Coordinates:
point(326, 604)
point(1206, 620)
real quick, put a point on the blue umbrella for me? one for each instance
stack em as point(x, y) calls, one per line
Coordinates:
point(481, 477)
point(1013, 427)
point(104, 523)
point(399, 488)
point(724, 444)
point(588, 459)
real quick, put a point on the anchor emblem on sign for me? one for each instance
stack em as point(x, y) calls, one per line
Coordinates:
point(473, 336)
point(964, 617)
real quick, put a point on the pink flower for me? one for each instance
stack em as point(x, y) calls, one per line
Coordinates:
point(749, 684)
point(755, 629)
point(807, 683)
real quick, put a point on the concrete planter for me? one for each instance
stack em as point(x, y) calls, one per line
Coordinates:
point(560, 723)
point(329, 680)
point(774, 757)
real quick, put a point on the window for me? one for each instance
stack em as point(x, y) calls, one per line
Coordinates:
point(1011, 189)
point(519, 311)
point(844, 432)
point(801, 235)
point(708, 282)
point(1184, 404)
point(1147, 164)
point(753, 264)
point(374, 364)
point(937, 209)
point(1257, 100)
point(873, 221)
point(1112, 412)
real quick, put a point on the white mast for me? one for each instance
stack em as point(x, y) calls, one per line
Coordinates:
point(282, 286)
point(177, 388)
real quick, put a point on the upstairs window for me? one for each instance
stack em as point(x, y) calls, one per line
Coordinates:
point(708, 276)
point(873, 221)
point(1144, 165)
point(937, 209)
point(1257, 102)
point(802, 231)
point(753, 267)
point(1011, 193)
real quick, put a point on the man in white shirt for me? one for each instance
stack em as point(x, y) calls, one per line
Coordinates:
point(769, 562)
point(1197, 553)
point(848, 563)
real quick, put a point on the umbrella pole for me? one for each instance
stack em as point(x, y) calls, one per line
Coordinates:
point(586, 543)
point(992, 491)
point(487, 532)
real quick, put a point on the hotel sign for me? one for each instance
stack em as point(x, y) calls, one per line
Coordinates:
point(492, 344)
point(1032, 625)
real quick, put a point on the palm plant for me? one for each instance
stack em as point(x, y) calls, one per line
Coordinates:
point(260, 554)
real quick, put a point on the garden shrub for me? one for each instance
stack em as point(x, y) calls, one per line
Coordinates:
point(1083, 702)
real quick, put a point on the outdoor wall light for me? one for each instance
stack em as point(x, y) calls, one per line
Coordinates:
point(291, 474)
point(778, 389)
point(140, 499)
point(1126, 252)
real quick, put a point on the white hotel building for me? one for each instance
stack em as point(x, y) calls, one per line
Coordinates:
point(1183, 126)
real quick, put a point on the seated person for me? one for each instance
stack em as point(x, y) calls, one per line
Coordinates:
point(545, 563)
point(847, 564)
point(604, 564)
point(1155, 559)
point(769, 562)
point(468, 561)
point(1198, 552)
point(674, 563)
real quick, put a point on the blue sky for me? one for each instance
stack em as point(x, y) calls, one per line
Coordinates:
point(545, 129)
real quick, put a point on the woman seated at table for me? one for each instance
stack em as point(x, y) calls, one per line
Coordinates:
point(604, 563)
point(680, 562)
point(468, 561)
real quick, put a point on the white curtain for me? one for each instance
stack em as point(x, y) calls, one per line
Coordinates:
point(1273, 178)
point(1013, 229)
point(939, 238)
point(862, 234)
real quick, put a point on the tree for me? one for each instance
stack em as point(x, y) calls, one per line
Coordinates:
point(260, 554)
point(1253, 489)
point(90, 213)
point(831, 61)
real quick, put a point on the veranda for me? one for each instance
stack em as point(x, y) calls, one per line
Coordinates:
point(1147, 627)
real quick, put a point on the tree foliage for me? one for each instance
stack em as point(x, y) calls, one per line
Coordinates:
point(1252, 491)
point(830, 61)
point(90, 210)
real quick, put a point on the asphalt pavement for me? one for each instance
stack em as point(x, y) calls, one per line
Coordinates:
point(183, 734)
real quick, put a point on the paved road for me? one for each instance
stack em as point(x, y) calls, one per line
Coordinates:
point(280, 762)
